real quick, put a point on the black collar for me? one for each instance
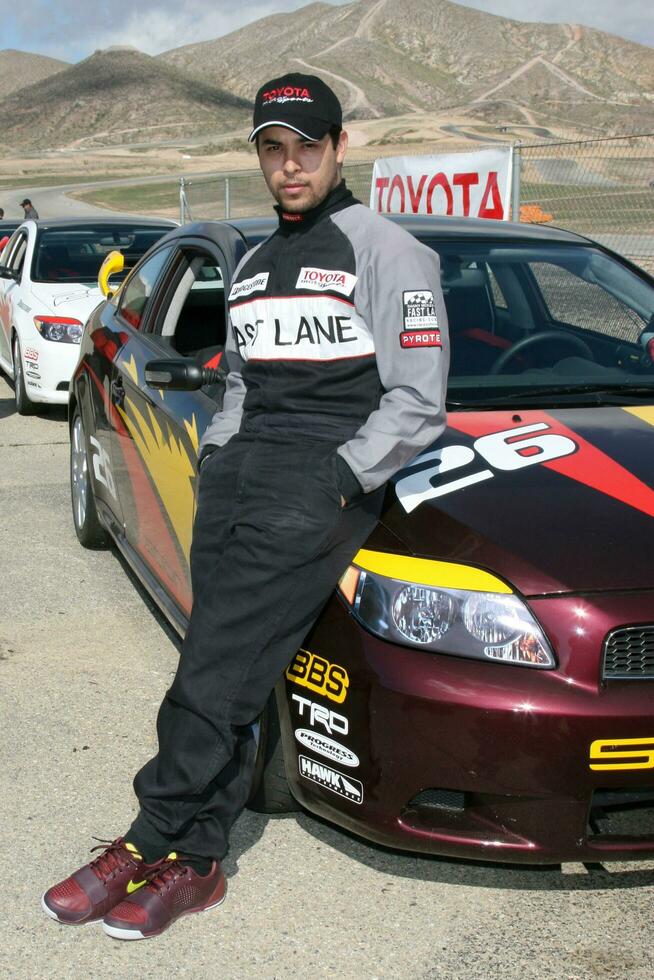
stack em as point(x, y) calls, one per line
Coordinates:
point(337, 199)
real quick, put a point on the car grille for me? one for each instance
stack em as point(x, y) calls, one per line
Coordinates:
point(443, 799)
point(629, 654)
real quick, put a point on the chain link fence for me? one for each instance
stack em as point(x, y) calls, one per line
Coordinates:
point(603, 188)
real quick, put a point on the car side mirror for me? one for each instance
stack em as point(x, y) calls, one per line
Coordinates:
point(179, 374)
point(7, 273)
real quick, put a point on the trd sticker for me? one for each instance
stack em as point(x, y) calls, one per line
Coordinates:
point(322, 745)
point(318, 714)
point(511, 449)
point(346, 786)
point(621, 753)
point(319, 675)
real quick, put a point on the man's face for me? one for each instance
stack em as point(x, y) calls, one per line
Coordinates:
point(299, 173)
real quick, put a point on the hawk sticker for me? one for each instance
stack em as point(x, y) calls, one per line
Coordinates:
point(420, 320)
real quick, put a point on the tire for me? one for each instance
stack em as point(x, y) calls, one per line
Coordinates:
point(270, 790)
point(90, 532)
point(24, 404)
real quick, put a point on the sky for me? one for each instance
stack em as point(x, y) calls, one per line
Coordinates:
point(74, 29)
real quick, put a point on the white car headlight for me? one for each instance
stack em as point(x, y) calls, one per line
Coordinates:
point(61, 329)
point(465, 622)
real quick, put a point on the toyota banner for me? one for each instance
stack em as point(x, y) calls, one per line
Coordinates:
point(475, 185)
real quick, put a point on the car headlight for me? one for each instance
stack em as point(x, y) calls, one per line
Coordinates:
point(61, 329)
point(443, 608)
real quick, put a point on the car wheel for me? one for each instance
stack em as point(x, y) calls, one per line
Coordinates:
point(24, 404)
point(270, 791)
point(88, 528)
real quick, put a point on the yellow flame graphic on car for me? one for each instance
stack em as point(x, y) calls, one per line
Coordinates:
point(169, 466)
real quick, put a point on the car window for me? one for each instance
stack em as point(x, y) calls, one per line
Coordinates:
point(140, 286)
point(16, 250)
point(194, 322)
point(75, 254)
point(527, 316)
point(588, 305)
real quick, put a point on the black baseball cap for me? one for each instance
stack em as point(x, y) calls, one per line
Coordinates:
point(23, 203)
point(300, 102)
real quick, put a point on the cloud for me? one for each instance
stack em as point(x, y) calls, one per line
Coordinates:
point(72, 29)
point(631, 19)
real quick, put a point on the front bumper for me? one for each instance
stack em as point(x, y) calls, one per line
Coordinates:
point(48, 368)
point(481, 760)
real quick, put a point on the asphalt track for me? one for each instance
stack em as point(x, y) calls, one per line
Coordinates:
point(84, 662)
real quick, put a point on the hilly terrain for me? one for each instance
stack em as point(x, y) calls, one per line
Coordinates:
point(418, 59)
point(385, 58)
point(19, 68)
point(117, 93)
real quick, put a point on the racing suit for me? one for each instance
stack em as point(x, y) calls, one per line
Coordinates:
point(337, 357)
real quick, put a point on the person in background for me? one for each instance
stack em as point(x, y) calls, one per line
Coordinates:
point(29, 209)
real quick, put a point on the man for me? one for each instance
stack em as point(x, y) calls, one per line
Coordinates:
point(29, 209)
point(2, 213)
point(323, 404)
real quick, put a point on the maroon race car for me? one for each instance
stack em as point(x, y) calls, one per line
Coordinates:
point(482, 682)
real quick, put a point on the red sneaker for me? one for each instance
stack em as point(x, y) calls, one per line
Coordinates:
point(173, 889)
point(94, 889)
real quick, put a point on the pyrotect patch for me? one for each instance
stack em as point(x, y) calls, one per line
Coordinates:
point(420, 320)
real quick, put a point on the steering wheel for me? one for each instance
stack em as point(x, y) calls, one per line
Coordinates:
point(547, 336)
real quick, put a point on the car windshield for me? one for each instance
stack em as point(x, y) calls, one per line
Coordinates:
point(75, 254)
point(545, 323)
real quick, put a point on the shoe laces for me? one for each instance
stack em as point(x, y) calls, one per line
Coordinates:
point(111, 859)
point(163, 872)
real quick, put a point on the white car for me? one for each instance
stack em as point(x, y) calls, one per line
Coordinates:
point(48, 288)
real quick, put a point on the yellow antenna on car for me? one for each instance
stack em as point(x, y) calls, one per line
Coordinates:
point(114, 262)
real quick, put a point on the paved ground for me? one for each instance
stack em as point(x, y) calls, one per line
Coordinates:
point(83, 665)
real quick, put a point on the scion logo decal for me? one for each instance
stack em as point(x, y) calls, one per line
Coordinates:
point(317, 674)
point(622, 753)
point(326, 746)
point(351, 789)
point(321, 279)
point(318, 714)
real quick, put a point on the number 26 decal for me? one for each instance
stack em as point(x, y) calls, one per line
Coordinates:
point(512, 449)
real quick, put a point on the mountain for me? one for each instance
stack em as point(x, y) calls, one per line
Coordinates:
point(386, 58)
point(19, 68)
point(117, 93)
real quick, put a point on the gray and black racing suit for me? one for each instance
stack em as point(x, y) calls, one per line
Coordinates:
point(337, 357)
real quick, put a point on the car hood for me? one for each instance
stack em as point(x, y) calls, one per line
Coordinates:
point(66, 299)
point(556, 501)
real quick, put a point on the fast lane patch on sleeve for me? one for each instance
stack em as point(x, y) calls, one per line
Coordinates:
point(419, 310)
point(420, 320)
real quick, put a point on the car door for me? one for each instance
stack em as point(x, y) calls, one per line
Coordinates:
point(155, 447)
point(10, 277)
